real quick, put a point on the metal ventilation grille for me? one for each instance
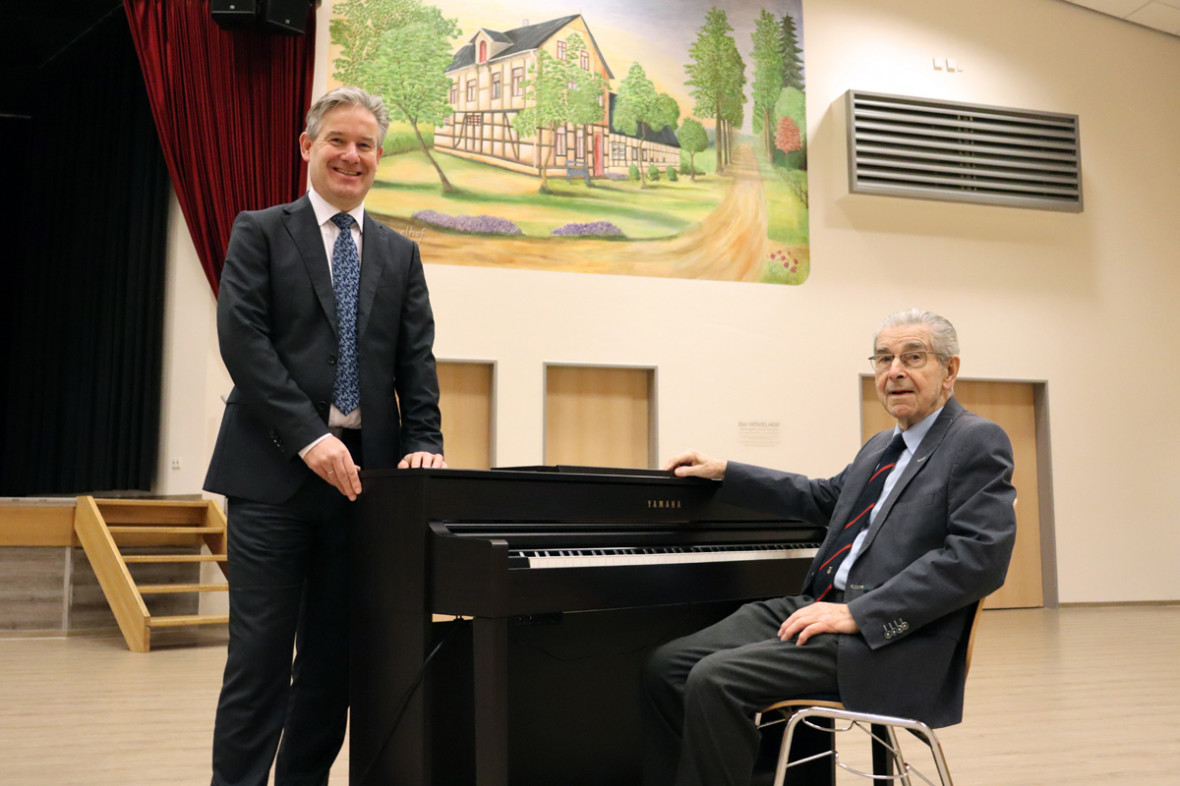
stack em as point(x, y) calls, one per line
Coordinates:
point(917, 147)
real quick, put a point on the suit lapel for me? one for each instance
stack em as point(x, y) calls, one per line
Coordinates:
point(372, 268)
point(858, 478)
point(299, 218)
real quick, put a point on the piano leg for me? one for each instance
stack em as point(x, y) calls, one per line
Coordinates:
point(545, 702)
point(490, 651)
point(388, 736)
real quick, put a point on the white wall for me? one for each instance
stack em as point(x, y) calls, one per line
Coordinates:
point(194, 380)
point(194, 376)
point(1082, 302)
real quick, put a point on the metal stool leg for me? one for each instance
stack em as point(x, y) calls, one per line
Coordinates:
point(897, 758)
point(889, 763)
point(784, 754)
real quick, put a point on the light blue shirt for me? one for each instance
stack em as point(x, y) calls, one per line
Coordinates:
point(913, 438)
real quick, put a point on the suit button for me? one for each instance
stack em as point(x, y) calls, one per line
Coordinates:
point(331, 360)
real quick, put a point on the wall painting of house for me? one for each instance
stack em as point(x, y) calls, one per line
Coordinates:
point(654, 139)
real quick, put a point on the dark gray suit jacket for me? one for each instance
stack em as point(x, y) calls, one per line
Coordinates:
point(276, 323)
point(940, 543)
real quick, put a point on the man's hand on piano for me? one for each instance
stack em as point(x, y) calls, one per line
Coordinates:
point(330, 459)
point(692, 464)
point(422, 459)
point(818, 618)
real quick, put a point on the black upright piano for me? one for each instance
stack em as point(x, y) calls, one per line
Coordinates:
point(569, 577)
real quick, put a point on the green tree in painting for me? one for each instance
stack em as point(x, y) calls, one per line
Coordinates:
point(717, 76)
point(399, 50)
point(639, 108)
point(667, 113)
point(585, 91)
point(559, 92)
point(693, 140)
point(732, 112)
point(768, 76)
point(792, 56)
point(545, 106)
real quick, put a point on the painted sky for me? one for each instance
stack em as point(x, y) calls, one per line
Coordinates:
point(658, 35)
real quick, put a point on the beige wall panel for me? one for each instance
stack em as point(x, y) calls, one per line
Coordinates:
point(596, 416)
point(1010, 404)
point(465, 398)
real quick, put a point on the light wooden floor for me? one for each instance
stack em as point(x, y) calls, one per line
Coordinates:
point(1078, 696)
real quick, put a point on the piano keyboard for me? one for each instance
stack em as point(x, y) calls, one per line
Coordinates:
point(657, 555)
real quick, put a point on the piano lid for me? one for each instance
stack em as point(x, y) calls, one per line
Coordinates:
point(573, 495)
point(584, 470)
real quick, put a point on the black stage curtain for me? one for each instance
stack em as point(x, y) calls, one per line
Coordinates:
point(84, 292)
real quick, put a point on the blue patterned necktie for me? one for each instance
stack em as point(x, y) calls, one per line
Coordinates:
point(346, 280)
point(821, 584)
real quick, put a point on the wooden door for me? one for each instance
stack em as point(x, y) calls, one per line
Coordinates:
point(598, 416)
point(465, 398)
point(1011, 405)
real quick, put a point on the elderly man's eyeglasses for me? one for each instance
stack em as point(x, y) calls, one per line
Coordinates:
point(912, 359)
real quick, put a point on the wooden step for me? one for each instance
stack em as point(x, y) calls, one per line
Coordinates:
point(163, 589)
point(164, 536)
point(137, 529)
point(106, 527)
point(181, 620)
point(147, 511)
point(174, 558)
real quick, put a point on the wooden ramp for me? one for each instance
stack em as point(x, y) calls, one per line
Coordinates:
point(106, 527)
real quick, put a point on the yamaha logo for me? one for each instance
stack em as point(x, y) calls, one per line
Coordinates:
point(663, 503)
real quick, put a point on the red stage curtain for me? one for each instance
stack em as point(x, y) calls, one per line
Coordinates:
point(228, 106)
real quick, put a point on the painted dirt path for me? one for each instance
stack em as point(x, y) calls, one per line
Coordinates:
point(730, 244)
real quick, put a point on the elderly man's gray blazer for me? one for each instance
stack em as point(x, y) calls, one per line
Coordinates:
point(940, 543)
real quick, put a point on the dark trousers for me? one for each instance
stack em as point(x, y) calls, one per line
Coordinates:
point(288, 579)
point(702, 691)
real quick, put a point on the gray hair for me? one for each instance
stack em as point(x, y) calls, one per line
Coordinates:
point(351, 96)
point(944, 341)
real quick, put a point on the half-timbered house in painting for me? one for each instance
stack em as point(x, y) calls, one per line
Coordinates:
point(488, 77)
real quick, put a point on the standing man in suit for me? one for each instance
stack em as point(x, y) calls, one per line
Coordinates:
point(325, 326)
point(885, 610)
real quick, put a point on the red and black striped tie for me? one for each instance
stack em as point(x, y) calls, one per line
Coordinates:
point(837, 550)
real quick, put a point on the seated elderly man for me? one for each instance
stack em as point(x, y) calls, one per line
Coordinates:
point(920, 528)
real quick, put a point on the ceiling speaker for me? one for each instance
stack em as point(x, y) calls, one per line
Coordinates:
point(288, 17)
point(233, 14)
